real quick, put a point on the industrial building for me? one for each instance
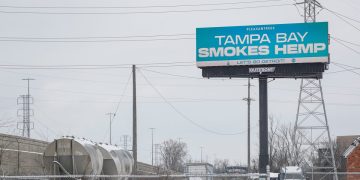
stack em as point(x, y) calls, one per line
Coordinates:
point(351, 159)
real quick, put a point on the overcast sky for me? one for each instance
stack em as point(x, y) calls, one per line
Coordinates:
point(74, 102)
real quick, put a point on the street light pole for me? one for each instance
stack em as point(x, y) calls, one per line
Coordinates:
point(110, 124)
point(152, 146)
point(201, 154)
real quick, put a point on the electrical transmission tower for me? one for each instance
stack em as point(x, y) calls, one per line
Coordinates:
point(25, 112)
point(311, 125)
point(124, 140)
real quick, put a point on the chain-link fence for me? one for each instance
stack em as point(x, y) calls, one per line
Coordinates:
point(147, 177)
point(252, 176)
point(330, 175)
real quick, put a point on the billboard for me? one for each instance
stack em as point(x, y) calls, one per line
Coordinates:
point(262, 44)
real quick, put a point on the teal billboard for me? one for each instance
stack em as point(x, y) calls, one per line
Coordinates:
point(262, 44)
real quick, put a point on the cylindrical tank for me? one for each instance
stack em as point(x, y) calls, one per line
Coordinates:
point(117, 161)
point(74, 156)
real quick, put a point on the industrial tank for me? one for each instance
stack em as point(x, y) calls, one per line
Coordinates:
point(117, 161)
point(76, 156)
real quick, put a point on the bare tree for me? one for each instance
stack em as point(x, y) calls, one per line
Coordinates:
point(272, 138)
point(173, 154)
point(284, 146)
point(255, 165)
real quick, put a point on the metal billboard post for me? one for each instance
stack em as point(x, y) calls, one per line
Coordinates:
point(263, 124)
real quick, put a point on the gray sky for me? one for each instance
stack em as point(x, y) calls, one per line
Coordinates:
point(74, 102)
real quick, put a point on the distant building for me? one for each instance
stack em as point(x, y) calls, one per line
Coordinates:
point(351, 159)
point(342, 144)
point(199, 169)
point(236, 170)
point(324, 158)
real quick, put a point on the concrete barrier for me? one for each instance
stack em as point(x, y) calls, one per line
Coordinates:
point(20, 155)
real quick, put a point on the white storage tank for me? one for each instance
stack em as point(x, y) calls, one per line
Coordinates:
point(78, 156)
point(117, 161)
point(75, 156)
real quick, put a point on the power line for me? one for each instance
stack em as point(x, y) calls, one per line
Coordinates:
point(90, 65)
point(175, 75)
point(115, 82)
point(61, 77)
point(122, 96)
point(340, 71)
point(182, 76)
point(101, 37)
point(90, 41)
point(95, 66)
point(298, 9)
point(345, 41)
point(51, 130)
point(62, 68)
point(344, 20)
point(346, 65)
point(135, 7)
point(346, 70)
point(347, 17)
point(117, 107)
point(329, 104)
point(352, 49)
point(65, 91)
point(185, 100)
point(349, 68)
point(38, 110)
point(143, 12)
point(183, 115)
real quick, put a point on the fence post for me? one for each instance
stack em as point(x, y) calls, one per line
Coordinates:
point(268, 172)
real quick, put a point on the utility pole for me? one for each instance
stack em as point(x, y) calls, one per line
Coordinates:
point(201, 153)
point(111, 116)
point(248, 99)
point(134, 147)
point(26, 124)
point(152, 146)
point(311, 117)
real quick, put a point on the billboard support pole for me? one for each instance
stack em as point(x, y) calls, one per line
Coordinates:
point(263, 124)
